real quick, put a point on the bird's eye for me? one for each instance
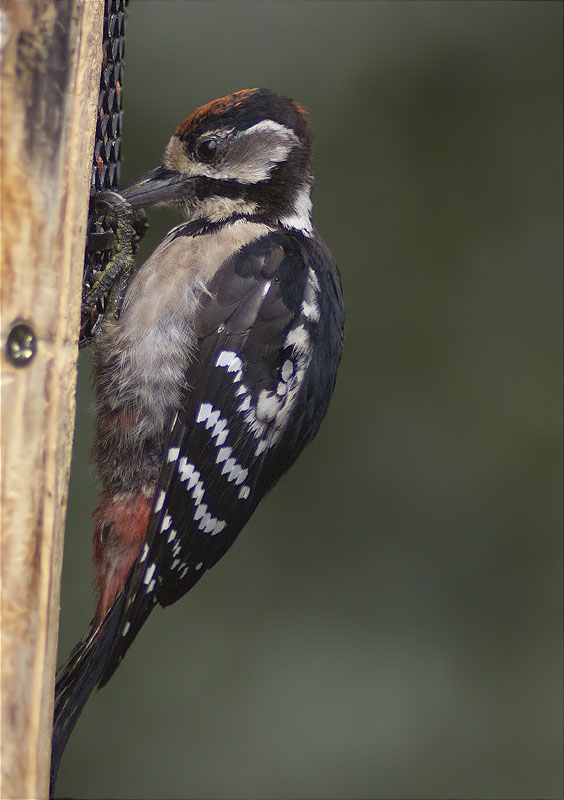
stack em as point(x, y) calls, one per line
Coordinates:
point(206, 150)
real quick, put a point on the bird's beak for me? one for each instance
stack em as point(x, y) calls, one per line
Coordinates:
point(159, 185)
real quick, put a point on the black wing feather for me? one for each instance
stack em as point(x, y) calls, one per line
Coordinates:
point(256, 391)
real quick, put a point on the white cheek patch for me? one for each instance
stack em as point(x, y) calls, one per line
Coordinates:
point(252, 154)
point(260, 148)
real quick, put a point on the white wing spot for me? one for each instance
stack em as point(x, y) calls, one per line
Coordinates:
point(219, 526)
point(235, 365)
point(126, 628)
point(225, 358)
point(239, 476)
point(199, 565)
point(173, 454)
point(268, 405)
point(198, 492)
point(224, 453)
point(185, 469)
point(228, 466)
point(287, 370)
point(149, 573)
point(221, 437)
point(194, 479)
point(244, 492)
point(165, 524)
point(310, 311)
point(219, 426)
point(144, 553)
point(171, 535)
point(313, 279)
point(213, 418)
point(299, 338)
point(160, 501)
point(229, 359)
point(204, 411)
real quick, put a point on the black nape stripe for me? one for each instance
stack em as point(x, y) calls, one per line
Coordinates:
point(201, 227)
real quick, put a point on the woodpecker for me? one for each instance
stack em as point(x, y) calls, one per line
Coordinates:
point(216, 372)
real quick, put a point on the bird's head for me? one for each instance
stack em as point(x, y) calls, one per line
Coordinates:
point(245, 154)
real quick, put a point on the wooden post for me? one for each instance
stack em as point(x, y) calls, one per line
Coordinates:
point(50, 60)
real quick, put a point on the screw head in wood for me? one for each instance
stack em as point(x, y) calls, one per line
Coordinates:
point(21, 344)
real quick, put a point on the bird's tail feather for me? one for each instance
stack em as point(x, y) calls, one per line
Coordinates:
point(77, 679)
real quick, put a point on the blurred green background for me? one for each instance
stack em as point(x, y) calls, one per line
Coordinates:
point(389, 624)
